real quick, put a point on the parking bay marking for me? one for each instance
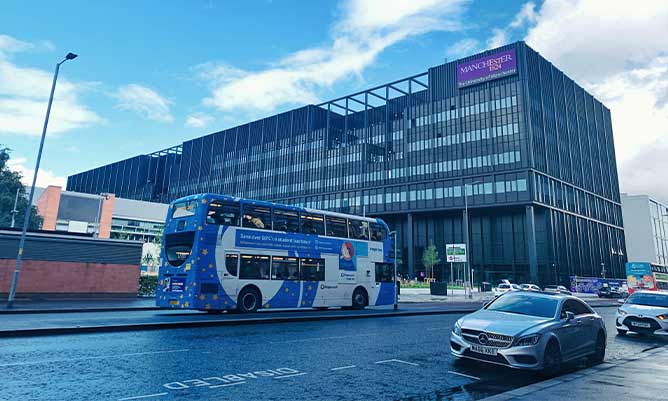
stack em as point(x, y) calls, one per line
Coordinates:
point(396, 361)
point(343, 367)
point(293, 375)
point(463, 374)
point(138, 397)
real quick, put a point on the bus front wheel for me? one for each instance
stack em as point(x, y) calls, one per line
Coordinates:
point(249, 300)
point(360, 298)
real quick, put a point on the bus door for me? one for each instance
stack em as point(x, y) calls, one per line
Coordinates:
point(228, 272)
point(365, 272)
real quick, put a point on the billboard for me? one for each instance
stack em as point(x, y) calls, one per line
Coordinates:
point(639, 275)
point(455, 253)
point(486, 68)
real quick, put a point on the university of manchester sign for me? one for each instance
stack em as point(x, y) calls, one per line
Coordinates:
point(485, 69)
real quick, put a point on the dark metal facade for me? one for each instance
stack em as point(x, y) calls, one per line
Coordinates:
point(533, 152)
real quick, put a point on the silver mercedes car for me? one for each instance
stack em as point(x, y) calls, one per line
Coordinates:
point(530, 330)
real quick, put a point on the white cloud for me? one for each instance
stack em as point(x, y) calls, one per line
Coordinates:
point(617, 50)
point(501, 36)
point(364, 29)
point(462, 48)
point(24, 95)
point(498, 39)
point(144, 101)
point(198, 120)
point(44, 177)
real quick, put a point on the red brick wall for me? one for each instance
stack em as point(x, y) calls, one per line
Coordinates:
point(75, 278)
point(47, 207)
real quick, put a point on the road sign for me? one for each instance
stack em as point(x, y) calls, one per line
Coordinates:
point(455, 253)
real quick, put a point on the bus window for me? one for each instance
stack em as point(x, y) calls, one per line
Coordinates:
point(384, 272)
point(257, 217)
point(336, 226)
point(222, 212)
point(378, 232)
point(312, 224)
point(283, 268)
point(231, 263)
point(254, 267)
point(184, 208)
point(313, 269)
point(358, 229)
point(286, 220)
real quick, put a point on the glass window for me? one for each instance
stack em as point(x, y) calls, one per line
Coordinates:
point(578, 308)
point(224, 213)
point(312, 224)
point(286, 220)
point(522, 304)
point(231, 263)
point(337, 226)
point(257, 217)
point(254, 267)
point(284, 268)
point(358, 229)
point(378, 232)
point(312, 269)
point(184, 208)
point(384, 272)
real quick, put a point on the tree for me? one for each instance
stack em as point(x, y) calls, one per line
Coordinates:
point(10, 182)
point(430, 259)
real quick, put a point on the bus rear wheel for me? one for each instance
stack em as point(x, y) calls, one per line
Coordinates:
point(360, 298)
point(249, 300)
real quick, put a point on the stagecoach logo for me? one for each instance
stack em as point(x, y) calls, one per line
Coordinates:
point(483, 339)
point(347, 251)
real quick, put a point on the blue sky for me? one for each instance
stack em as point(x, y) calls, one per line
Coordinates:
point(154, 73)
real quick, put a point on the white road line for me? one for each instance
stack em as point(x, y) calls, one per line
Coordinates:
point(397, 361)
point(92, 357)
point(296, 374)
point(142, 396)
point(464, 375)
point(227, 385)
point(344, 367)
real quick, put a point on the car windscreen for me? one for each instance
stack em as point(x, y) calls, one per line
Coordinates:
point(525, 305)
point(504, 286)
point(660, 300)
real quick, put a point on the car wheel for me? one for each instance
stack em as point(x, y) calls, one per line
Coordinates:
point(621, 332)
point(551, 359)
point(360, 299)
point(249, 300)
point(599, 350)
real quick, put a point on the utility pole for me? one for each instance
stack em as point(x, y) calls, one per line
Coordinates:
point(14, 210)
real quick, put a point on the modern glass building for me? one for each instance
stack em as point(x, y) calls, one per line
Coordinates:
point(504, 131)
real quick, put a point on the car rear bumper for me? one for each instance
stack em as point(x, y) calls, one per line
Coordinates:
point(529, 357)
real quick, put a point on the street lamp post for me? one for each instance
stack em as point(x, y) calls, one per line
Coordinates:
point(602, 269)
point(14, 210)
point(466, 237)
point(396, 295)
point(26, 218)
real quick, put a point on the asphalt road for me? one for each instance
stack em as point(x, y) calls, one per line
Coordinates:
point(399, 358)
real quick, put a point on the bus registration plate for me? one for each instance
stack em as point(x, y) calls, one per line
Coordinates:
point(484, 350)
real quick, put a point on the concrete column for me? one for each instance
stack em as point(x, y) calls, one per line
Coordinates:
point(105, 216)
point(410, 245)
point(531, 244)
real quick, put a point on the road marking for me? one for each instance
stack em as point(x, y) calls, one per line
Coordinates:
point(321, 338)
point(296, 374)
point(92, 357)
point(438, 328)
point(463, 374)
point(142, 396)
point(345, 367)
point(226, 385)
point(397, 361)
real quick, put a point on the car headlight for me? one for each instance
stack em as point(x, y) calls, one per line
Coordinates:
point(622, 312)
point(458, 328)
point(527, 340)
point(663, 317)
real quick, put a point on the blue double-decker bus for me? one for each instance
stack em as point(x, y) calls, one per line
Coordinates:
point(225, 253)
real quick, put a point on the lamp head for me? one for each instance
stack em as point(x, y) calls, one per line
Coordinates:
point(71, 56)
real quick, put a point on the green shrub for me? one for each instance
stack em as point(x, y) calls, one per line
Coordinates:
point(147, 285)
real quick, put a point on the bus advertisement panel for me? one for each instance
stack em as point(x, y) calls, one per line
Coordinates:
point(639, 276)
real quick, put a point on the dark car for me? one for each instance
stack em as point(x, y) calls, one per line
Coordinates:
point(610, 292)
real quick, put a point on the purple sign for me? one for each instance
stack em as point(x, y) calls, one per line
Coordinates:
point(485, 69)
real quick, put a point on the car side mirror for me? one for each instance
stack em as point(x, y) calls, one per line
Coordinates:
point(570, 316)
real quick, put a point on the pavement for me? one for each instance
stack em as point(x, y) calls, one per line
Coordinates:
point(638, 377)
point(385, 358)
